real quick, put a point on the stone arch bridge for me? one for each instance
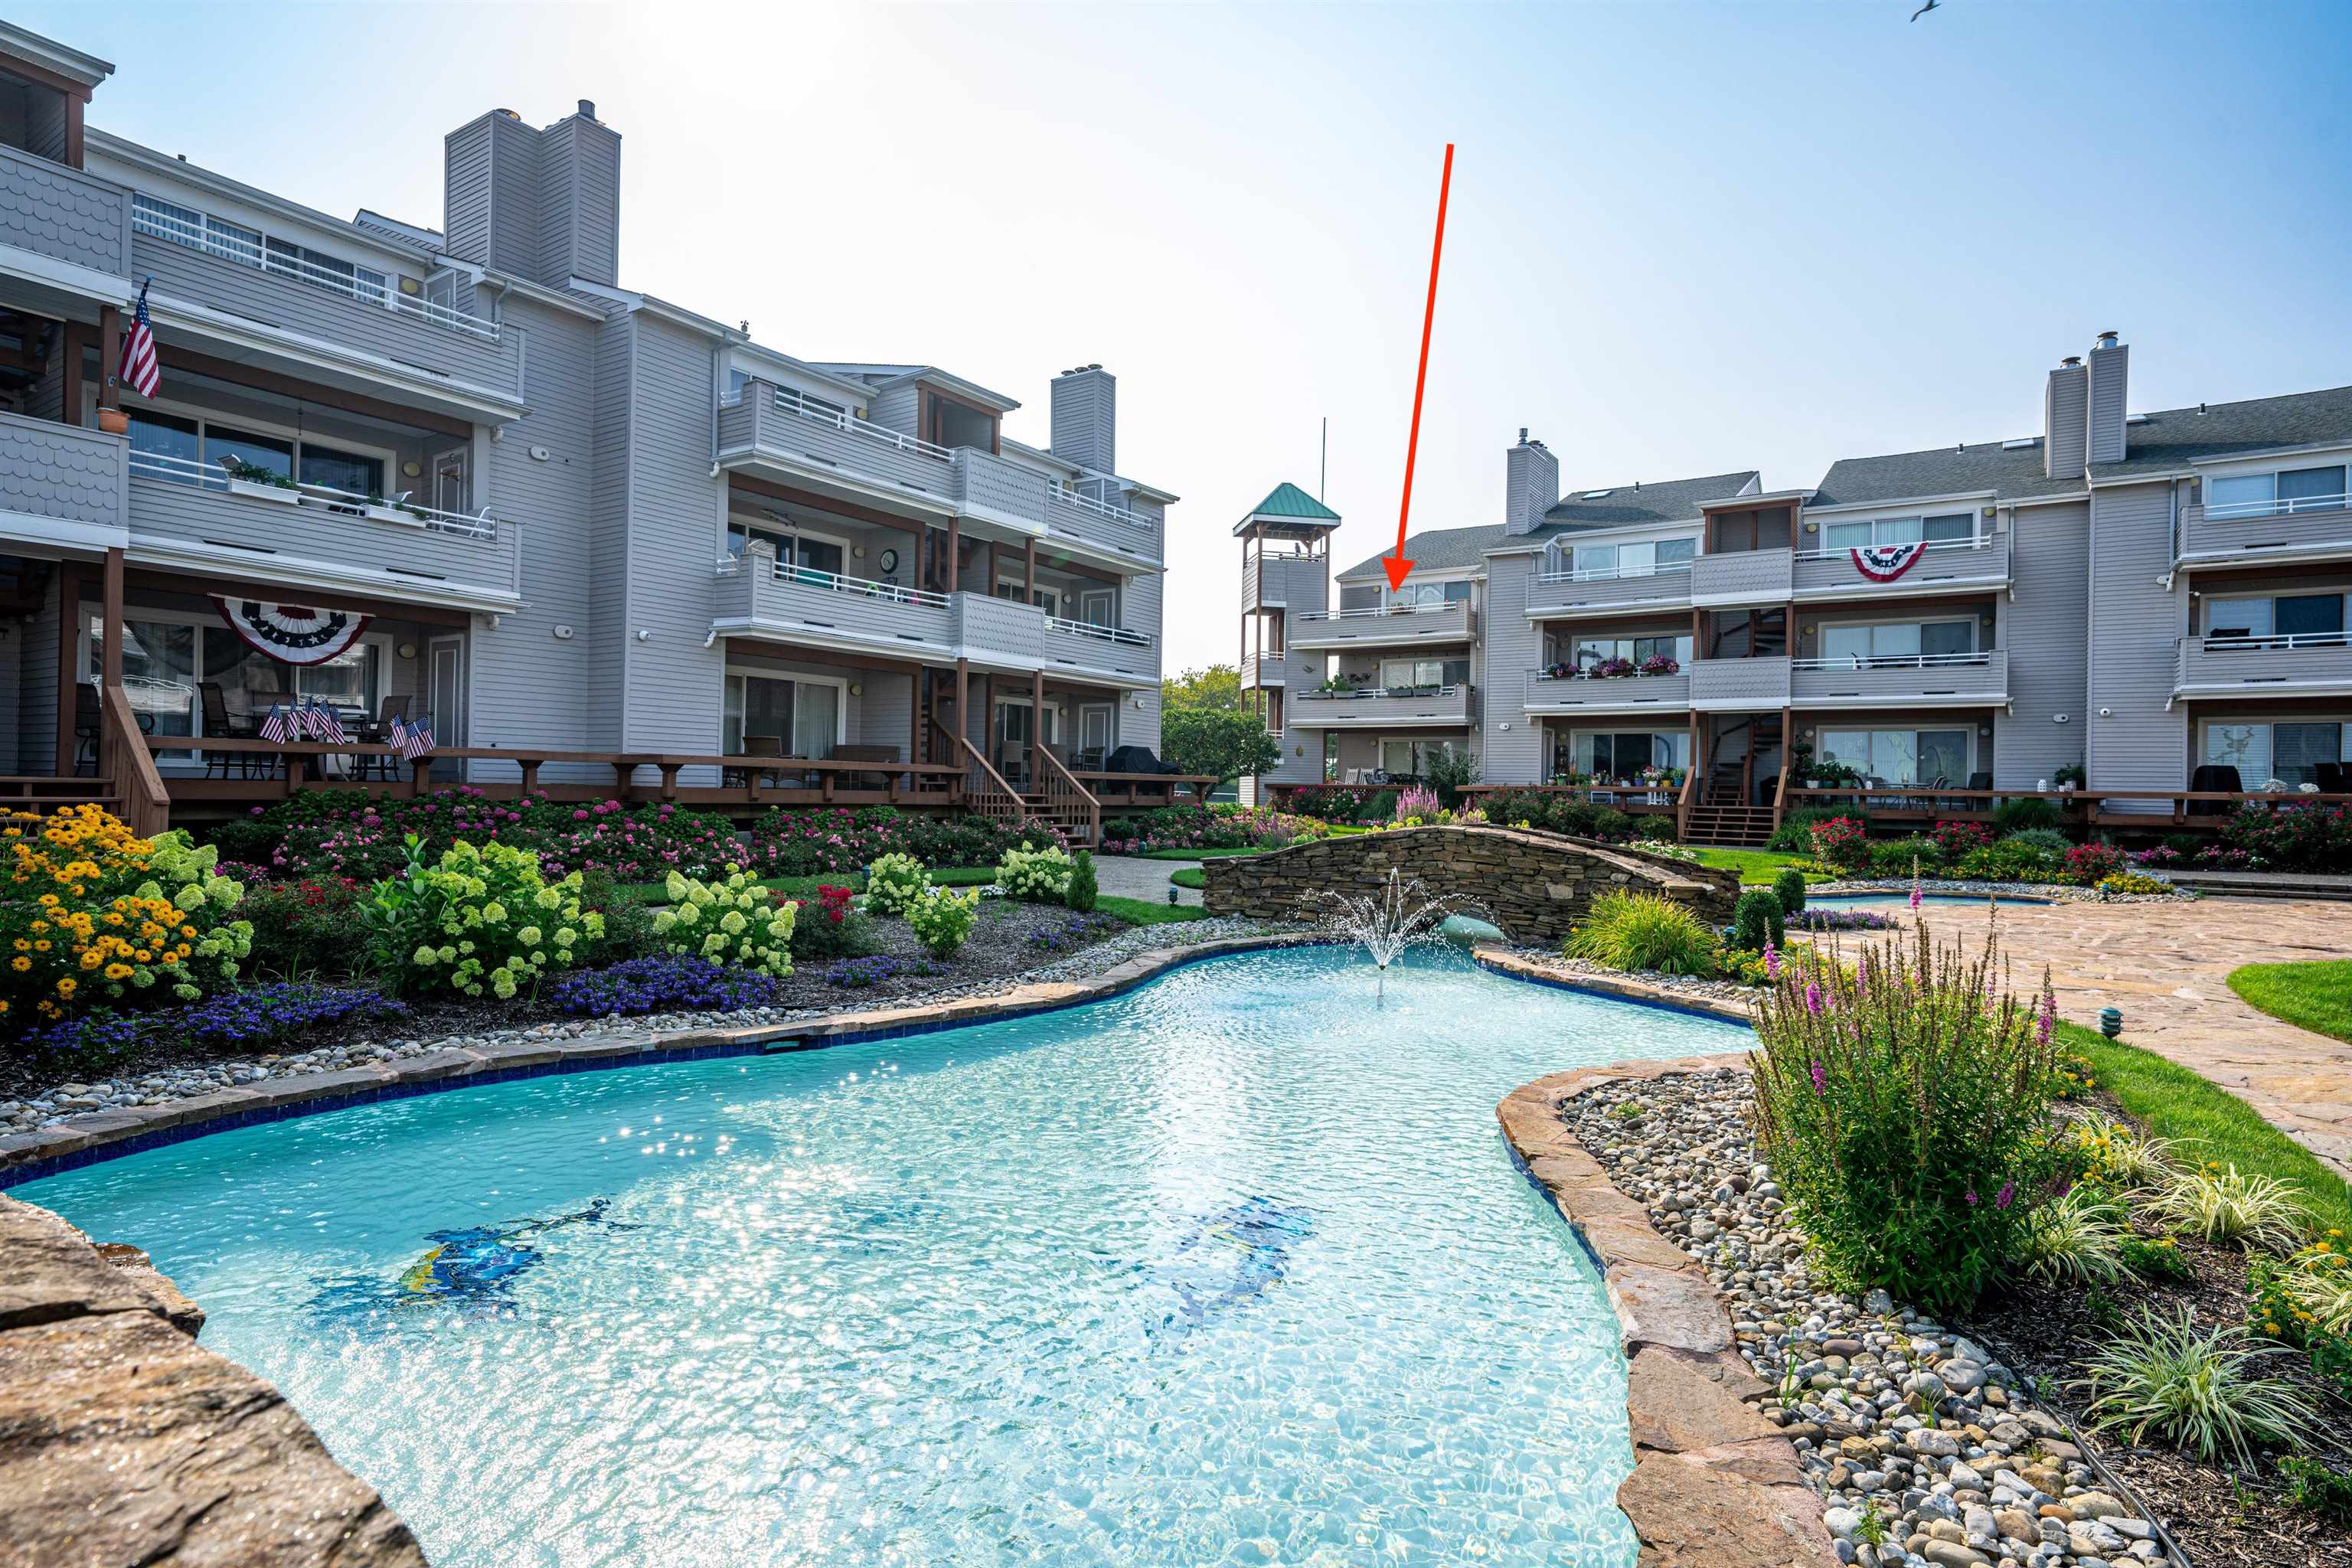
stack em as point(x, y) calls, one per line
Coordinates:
point(1535, 885)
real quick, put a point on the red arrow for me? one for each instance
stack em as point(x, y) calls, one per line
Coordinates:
point(1398, 566)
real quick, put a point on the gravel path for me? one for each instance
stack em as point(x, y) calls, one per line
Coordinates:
point(1136, 876)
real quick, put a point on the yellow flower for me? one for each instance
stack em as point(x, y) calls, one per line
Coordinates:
point(118, 971)
point(20, 964)
point(67, 986)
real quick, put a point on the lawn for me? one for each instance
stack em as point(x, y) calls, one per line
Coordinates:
point(804, 888)
point(1195, 854)
point(1142, 912)
point(1188, 877)
point(2208, 1122)
point(1756, 866)
point(2316, 995)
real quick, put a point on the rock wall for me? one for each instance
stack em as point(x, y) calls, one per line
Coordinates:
point(1534, 885)
point(123, 1441)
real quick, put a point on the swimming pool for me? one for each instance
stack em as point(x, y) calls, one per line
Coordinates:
point(1232, 1268)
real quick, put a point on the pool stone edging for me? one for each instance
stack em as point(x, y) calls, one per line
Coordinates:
point(1714, 1484)
point(98, 1135)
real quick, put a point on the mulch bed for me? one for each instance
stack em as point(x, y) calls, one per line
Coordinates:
point(2048, 1333)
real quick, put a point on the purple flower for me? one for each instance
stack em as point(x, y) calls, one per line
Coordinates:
point(2001, 1198)
point(1771, 960)
point(1821, 1079)
point(1970, 1195)
point(1812, 996)
point(2048, 1023)
point(1915, 893)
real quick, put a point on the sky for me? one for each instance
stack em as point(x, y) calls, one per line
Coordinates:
point(1683, 238)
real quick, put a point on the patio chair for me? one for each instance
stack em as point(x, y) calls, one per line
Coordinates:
point(87, 726)
point(376, 731)
point(753, 746)
point(2210, 777)
point(219, 721)
point(865, 754)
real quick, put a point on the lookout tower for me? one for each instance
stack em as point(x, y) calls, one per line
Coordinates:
point(1286, 575)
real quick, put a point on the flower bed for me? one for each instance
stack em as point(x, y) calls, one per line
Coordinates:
point(1208, 828)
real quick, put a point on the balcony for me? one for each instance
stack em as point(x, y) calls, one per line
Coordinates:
point(1294, 582)
point(193, 517)
point(77, 225)
point(1909, 680)
point(757, 596)
point(1744, 577)
point(1607, 696)
point(1944, 565)
point(1379, 708)
point(61, 484)
point(323, 324)
point(2305, 664)
point(798, 440)
point(2307, 528)
point(1387, 626)
point(1739, 685)
point(1073, 515)
point(1664, 587)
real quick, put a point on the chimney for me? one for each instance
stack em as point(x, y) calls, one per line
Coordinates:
point(1085, 418)
point(541, 205)
point(1532, 485)
point(2110, 383)
point(2063, 418)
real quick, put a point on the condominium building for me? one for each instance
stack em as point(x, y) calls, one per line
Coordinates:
point(587, 531)
point(2118, 601)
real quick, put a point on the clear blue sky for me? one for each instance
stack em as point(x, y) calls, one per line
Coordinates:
point(1684, 237)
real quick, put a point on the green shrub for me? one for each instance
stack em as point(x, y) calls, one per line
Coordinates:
point(942, 918)
point(628, 922)
point(2048, 840)
point(1900, 857)
point(1082, 892)
point(1907, 1120)
point(1841, 843)
point(2312, 1487)
point(2016, 858)
point(478, 921)
point(307, 929)
point(1755, 919)
point(893, 882)
point(2306, 1301)
point(734, 921)
point(2077, 1237)
point(830, 926)
point(2222, 1203)
point(1788, 886)
point(1795, 834)
point(2154, 1259)
point(1641, 931)
point(2195, 1390)
point(1035, 876)
point(2025, 812)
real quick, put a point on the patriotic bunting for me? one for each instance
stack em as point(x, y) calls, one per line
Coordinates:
point(1885, 563)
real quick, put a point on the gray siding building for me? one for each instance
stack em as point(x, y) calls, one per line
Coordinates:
point(2139, 604)
point(566, 521)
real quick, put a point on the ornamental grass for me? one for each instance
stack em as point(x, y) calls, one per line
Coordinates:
point(1905, 1104)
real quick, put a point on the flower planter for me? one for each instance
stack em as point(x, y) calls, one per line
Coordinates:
point(114, 422)
point(392, 514)
point(252, 490)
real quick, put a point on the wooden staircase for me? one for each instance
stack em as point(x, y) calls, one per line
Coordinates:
point(128, 786)
point(1060, 802)
point(1720, 818)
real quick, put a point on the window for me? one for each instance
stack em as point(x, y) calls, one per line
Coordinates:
point(1406, 674)
point(804, 715)
point(1587, 563)
point(1330, 756)
point(166, 658)
point(235, 242)
point(2289, 752)
point(1590, 651)
point(1952, 528)
point(1414, 595)
point(1901, 759)
point(1614, 755)
point(792, 548)
point(333, 468)
point(168, 440)
point(1896, 644)
point(2272, 495)
point(2286, 620)
point(1411, 758)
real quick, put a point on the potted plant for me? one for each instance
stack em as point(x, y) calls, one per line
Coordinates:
point(2071, 778)
point(255, 482)
point(114, 422)
point(397, 510)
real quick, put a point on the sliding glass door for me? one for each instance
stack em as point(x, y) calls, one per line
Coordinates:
point(802, 716)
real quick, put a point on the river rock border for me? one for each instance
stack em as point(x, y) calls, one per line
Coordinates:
point(98, 1135)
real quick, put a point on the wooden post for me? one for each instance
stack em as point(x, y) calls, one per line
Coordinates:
point(962, 704)
point(1029, 571)
point(110, 661)
point(955, 549)
point(68, 667)
point(109, 356)
point(1038, 729)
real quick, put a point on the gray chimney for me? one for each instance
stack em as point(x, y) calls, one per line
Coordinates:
point(2065, 414)
point(1532, 485)
point(1085, 418)
point(541, 205)
point(2110, 384)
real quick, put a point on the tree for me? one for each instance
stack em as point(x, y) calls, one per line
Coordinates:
point(1219, 686)
point(1228, 743)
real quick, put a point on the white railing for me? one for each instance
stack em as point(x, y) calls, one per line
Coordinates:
point(1063, 492)
point(2286, 640)
point(348, 504)
point(1358, 693)
point(1588, 673)
point(1613, 574)
point(1119, 634)
point(1373, 612)
point(794, 402)
point(1893, 661)
point(1843, 552)
point(2229, 511)
point(835, 582)
point(367, 284)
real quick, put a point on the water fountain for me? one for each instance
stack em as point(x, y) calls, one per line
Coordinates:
point(1386, 923)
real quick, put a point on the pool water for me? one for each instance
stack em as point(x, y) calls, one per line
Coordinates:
point(1234, 1268)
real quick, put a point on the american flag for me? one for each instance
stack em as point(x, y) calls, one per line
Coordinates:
point(396, 736)
point(328, 725)
point(276, 729)
point(138, 367)
point(419, 740)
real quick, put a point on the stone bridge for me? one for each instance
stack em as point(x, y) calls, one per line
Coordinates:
point(1534, 885)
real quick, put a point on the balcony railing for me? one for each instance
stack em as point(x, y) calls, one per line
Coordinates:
point(1983, 560)
point(2314, 663)
point(1369, 706)
point(1924, 679)
point(1585, 692)
point(63, 214)
point(319, 531)
point(2311, 528)
point(1119, 634)
point(1744, 577)
point(63, 471)
point(1611, 588)
point(2284, 506)
point(1385, 625)
point(1739, 685)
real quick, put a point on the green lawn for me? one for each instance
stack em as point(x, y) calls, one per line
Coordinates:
point(1757, 867)
point(2316, 995)
point(2207, 1120)
point(804, 888)
point(1143, 912)
point(1188, 877)
point(1195, 854)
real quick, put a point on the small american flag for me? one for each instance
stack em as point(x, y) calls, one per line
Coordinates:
point(331, 725)
point(419, 741)
point(138, 367)
point(396, 737)
point(276, 729)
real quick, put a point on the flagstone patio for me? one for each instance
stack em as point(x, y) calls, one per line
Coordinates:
point(2167, 967)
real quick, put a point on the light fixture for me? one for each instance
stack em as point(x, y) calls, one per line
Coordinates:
point(411, 468)
point(856, 689)
point(408, 650)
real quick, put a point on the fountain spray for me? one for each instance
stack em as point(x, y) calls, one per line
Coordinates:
point(1383, 923)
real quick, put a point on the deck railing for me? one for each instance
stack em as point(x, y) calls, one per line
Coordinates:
point(396, 510)
point(824, 412)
